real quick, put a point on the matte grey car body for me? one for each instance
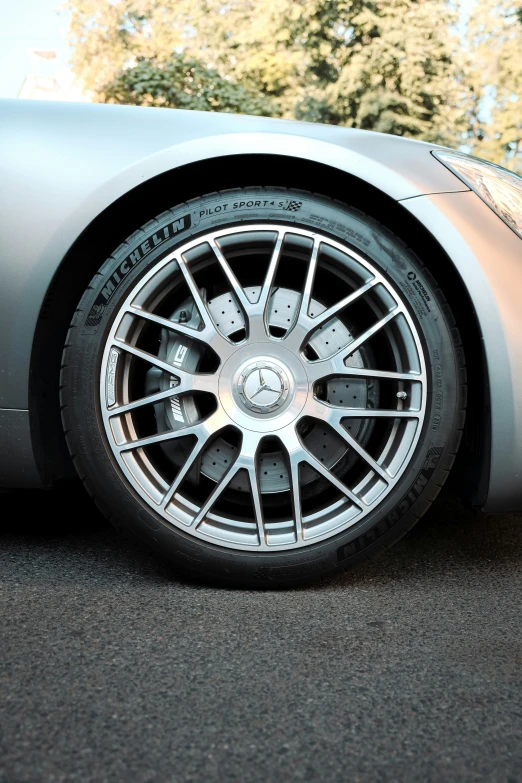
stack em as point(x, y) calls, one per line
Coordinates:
point(75, 175)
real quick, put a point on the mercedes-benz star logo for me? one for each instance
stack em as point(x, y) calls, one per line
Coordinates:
point(263, 388)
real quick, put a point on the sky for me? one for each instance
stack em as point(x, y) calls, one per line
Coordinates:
point(28, 24)
point(38, 24)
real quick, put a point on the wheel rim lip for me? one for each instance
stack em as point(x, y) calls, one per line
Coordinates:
point(212, 515)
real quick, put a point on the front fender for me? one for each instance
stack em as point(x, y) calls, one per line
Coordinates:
point(488, 256)
point(54, 195)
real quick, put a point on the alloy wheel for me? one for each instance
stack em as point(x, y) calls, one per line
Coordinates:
point(263, 387)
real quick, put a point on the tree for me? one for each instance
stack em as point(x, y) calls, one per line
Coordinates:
point(494, 42)
point(389, 65)
point(241, 39)
point(396, 71)
point(183, 83)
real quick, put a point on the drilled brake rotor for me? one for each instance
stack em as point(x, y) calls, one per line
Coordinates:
point(185, 353)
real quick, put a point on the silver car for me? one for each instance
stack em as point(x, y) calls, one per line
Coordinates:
point(262, 345)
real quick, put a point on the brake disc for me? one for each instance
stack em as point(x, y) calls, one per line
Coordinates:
point(183, 410)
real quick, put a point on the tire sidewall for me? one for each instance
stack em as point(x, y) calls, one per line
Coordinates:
point(134, 258)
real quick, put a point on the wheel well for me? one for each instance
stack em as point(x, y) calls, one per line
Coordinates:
point(144, 202)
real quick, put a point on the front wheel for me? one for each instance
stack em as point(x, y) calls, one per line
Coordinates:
point(263, 386)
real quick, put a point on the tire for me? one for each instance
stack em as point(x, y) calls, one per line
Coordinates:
point(331, 527)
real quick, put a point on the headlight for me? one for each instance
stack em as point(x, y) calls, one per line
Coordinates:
point(498, 187)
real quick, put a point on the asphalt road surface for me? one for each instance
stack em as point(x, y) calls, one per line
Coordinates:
point(409, 669)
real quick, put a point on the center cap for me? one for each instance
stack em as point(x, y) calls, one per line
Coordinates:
point(263, 386)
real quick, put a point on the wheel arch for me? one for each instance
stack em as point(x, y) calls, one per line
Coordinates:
point(144, 201)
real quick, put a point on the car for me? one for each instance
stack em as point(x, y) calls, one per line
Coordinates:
point(262, 345)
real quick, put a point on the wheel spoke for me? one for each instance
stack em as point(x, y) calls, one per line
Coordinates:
point(205, 335)
point(352, 442)
point(295, 491)
point(385, 375)
point(149, 400)
point(203, 430)
point(264, 296)
point(167, 497)
point(187, 467)
point(297, 454)
point(217, 491)
point(293, 454)
point(187, 381)
point(326, 368)
point(356, 344)
point(305, 325)
point(324, 411)
point(332, 311)
point(318, 466)
point(196, 295)
point(378, 413)
point(237, 288)
point(253, 475)
point(151, 440)
point(309, 282)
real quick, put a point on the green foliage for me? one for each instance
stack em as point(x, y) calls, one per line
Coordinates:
point(396, 66)
point(495, 82)
point(183, 83)
point(395, 83)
